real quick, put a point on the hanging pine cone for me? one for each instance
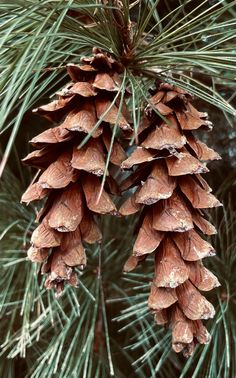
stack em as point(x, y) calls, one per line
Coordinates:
point(171, 193)
point(70, 177)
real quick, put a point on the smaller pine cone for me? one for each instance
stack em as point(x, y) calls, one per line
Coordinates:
point(171, 195)
point(70, 177)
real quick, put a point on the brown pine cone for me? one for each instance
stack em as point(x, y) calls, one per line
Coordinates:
point(171, 194)
point(70, 177)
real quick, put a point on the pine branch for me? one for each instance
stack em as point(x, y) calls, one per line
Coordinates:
point(188, 45)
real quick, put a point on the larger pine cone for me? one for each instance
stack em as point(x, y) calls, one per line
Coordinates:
point(171, 193)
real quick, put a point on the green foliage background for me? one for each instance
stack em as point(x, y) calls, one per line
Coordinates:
point(104, 328)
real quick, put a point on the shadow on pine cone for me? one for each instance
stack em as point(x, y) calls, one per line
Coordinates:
point(71, 176)
point(171, 194)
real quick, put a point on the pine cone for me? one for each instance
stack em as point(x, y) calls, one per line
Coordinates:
point(70, 177)
point(171, 193)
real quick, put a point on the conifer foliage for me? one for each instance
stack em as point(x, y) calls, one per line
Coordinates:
point(120, 168)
